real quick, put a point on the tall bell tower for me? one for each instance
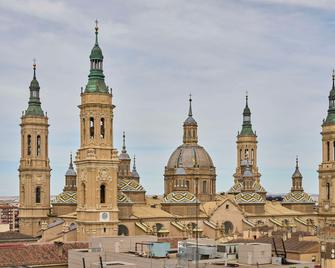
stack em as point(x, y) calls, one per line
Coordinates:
point(327, 166)
point(96, 160)
point(34, 169)
point(246, 145)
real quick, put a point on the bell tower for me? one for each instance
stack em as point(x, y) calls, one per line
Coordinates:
point(34, 169)
point(327, 166)
point(96, 160)
point(246, 145)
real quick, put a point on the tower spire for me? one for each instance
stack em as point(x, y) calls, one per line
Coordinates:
point(34, 104)
point(96, 32)
point(190, 126)
point(246, 126)
point(34, 68)
point(190, 108)
point(331, 110)
point(297, 162)
point(96, 78)
point(124, 150)
point(71, 163)
point(134, 164)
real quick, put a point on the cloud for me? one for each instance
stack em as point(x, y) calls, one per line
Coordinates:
point(156, 53)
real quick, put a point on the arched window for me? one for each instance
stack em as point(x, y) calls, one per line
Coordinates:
point(38, 195)
point(91, 127)
point(228, 227)
point(38, 145)
point(123, 230)
point(328, 190)
point(328, 151)
point(84, 130)
point(102, 194)
point(252, 154)
point(204, 187)
point(29, 145)
point(188, 184)
point(159, 226)
point(83, 188)
point(102, 128)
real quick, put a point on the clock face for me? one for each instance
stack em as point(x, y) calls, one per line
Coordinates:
point(104, 216)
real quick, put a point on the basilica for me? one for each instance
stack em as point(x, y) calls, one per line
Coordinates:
point(103, 195)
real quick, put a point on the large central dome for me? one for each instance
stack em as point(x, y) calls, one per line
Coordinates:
point(190, 156)
point(190, 167)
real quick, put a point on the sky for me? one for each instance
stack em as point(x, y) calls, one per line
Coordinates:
point(155, 54)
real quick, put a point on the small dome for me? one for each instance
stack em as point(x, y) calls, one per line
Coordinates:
point(34, 84)
point(129, 186)
point(96, 53)
point(70, 172)
point(123, 198)
point(66, 198)
point(189, 156)
point(297, 197)
point(190, 121)
point(135, 174)
point(249, 198)
point(180, 197)
point(124, 156)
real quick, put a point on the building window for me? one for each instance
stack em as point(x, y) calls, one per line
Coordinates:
point(102, 194)
point(102, 128)
point(240, 155)
point(204, 187)
point(227, 206)
point(84, 130)
point(29, 145)
point(104, 229)
point(228, 227)
point(91, 127)
point(38, 145)
point(188, 185)
point(83, 187)
point(328, 190)
point(38, 195)
point(252, 154)
point(123, 230)
point(328, 151)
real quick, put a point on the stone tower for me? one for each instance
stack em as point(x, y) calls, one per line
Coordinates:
point(34, 169)
point(96, 160)
point(327, 166)
point(124, 165)
point(246, 146)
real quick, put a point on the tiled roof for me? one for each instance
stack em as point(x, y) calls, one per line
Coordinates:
point(180, 197)
point(36, 254)
point(297, 197)
point(67, 197)
point(15, 237)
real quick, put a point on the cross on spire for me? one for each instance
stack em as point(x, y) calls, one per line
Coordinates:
point(96, 32)
point(190, 108)
point(246, 97)
point(124, 150)
point(333, 79)
point(34, 67)
point(296, 161)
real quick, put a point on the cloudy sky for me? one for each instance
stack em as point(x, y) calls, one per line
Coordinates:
point(156, 53)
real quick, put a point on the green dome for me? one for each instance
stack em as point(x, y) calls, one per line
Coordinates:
point(34, 104)
point(96, 53)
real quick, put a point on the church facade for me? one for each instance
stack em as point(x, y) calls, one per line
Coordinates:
point(103, 195)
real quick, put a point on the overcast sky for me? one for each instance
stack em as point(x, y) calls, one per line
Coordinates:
point(155, 54)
